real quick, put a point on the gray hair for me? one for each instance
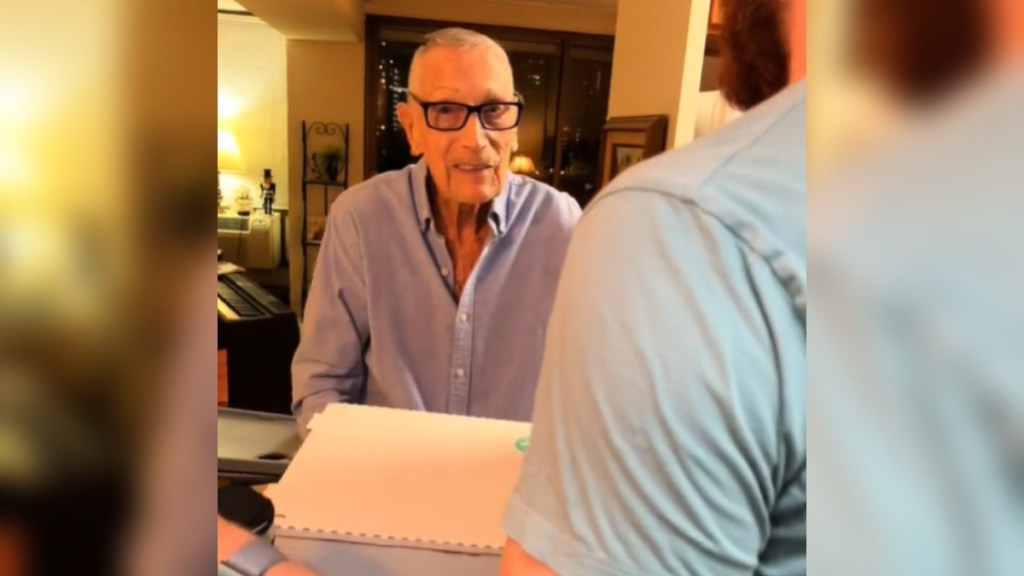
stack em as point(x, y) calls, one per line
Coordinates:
point(458, 38)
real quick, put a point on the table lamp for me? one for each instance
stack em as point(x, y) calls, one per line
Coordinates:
point(522, 164)
point(229, 159)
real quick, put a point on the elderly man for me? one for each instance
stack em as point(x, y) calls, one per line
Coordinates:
point(668, 435)
point(434, 283)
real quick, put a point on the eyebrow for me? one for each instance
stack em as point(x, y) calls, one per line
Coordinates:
point(490, 96)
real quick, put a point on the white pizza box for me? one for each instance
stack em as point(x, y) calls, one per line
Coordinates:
point(381, 491)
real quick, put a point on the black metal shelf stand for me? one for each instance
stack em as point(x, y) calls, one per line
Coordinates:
point(319, 175)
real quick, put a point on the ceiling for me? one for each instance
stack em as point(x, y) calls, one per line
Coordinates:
point(608, 5)
point(341, 20)
point(333, 20)
point(230, 5)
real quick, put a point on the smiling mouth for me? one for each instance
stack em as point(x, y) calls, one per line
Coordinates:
point(474, 168)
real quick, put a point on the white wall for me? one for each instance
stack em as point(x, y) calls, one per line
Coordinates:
point(659, 57)
point(252, 95)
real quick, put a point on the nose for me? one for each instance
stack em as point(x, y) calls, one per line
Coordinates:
point(473, 135)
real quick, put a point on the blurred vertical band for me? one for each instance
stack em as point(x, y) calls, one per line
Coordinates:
point(915, 337)
point(107, 169)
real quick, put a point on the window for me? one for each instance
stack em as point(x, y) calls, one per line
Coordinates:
point(563, 77)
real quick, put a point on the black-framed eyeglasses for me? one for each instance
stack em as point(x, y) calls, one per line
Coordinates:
point(452, 116)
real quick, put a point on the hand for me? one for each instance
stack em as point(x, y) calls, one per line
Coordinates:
point(231, 537)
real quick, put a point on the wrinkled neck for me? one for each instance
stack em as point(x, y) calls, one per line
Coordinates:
point(455, 220)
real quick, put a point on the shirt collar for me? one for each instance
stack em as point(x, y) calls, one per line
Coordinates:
point(501, 210)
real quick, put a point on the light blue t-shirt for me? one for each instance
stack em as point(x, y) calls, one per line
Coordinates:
point(916, 348)
point(669, 424)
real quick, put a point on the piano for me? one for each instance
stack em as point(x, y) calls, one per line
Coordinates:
point(259, 335)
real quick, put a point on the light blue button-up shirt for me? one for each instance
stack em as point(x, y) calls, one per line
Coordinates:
point(382, 325)
point(668, 435)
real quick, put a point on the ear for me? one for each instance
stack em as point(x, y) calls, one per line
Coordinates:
point(407, 117)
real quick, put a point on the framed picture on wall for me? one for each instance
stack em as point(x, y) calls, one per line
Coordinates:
point(627, 140)
point(624, 156)
point(315, 228)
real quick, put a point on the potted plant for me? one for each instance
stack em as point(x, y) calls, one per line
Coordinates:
point(331, 160)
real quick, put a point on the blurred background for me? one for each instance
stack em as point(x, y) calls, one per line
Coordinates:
point(106, 161)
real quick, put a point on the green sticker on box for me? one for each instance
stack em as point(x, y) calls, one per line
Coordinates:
point(522, 444)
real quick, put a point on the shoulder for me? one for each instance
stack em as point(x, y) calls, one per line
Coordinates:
point(379, 193)
point(764, 150)
point(750, 177)
point(541, 201)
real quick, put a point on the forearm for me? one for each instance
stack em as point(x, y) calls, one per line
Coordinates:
point(305, 408)
point(317, 383)
point(231, 538)
point(329, 365)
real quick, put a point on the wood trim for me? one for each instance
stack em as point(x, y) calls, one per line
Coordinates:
point(713, 44)
point(554, 116)
point(715, 15)
point(372, 39)
point(556, 180)
point(654, 129)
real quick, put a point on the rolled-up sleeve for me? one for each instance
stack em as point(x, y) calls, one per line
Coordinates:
point(655, 431)
point(329, 364)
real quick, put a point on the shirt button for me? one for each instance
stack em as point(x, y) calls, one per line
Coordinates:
point(459, 372)
point(463, 317)
point(444, 272)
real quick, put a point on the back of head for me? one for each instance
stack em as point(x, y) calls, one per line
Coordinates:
point(755, 52)
point(919, 48)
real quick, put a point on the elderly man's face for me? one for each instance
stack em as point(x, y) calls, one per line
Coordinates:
point(471, 165)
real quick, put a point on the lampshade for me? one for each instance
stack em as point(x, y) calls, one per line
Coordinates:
point(229, 157)
point(522, 164)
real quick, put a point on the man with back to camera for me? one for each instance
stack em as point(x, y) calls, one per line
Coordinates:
point(434, 283)
point(668, 433)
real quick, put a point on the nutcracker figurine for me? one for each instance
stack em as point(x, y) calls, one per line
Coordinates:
point(267, 191)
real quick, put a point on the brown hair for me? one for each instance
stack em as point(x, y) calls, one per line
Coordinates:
point(919, 47)
point(755, 52)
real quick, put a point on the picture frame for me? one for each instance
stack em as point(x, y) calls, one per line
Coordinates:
point(624, 156)
point(315, 228)
point(627, 140)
